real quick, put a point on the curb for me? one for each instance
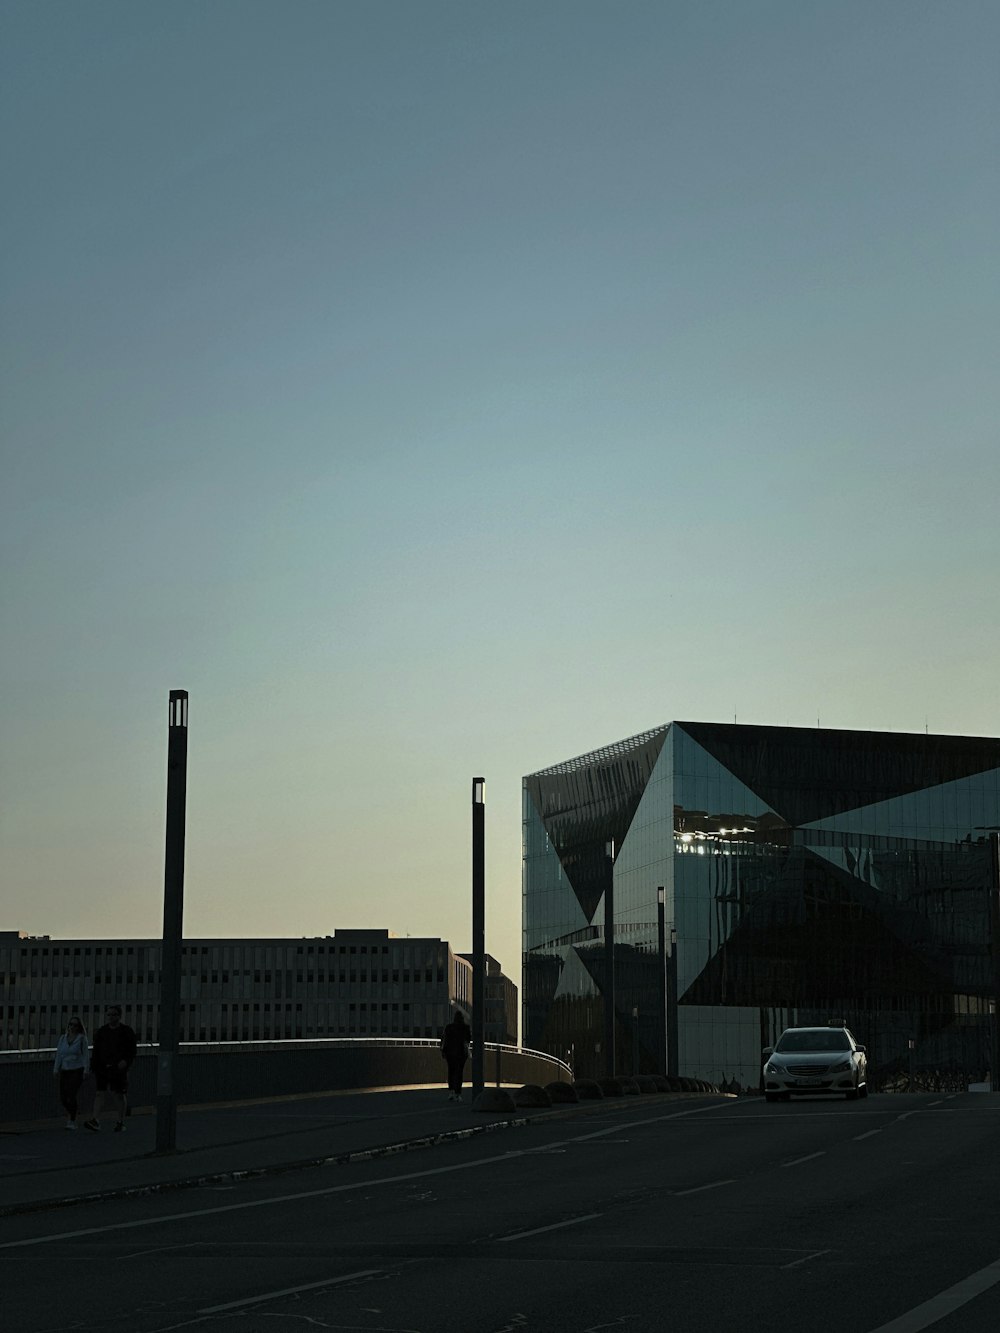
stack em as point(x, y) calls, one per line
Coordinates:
point(252, 1173)
point(338, 1159)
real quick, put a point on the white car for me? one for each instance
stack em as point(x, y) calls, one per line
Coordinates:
point(815, 1060)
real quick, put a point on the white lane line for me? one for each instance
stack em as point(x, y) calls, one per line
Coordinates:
point(334, 1189)
point(939, 1102)
point(944, 1303)
point(252, 1203)
point(288, 1291)
point(859, 1137)
point(537, 1231)
point(805, 1258)
point(799, 1160)
point(716, 1184)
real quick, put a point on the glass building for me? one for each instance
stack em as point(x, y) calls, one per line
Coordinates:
point(808, 876)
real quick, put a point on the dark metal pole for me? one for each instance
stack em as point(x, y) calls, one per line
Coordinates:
point(673, 1063)
point(609, 964)
point(173, 922)
point(995, 950)
point(661, 935)
point(478, 933)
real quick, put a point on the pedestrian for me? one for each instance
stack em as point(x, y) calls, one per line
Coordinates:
point(111, 1058)
point(72, 1058)
point(455, 1049)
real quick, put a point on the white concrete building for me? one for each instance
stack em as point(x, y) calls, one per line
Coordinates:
point(354, 983)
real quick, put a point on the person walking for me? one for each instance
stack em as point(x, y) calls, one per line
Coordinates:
point(455, 1049)
point(71, 1062)
point(111, 1058)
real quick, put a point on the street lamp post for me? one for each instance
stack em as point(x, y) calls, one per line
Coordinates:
point(661, 935)
point(995, 951)
point(173, 922)
point(478, 934)
point(672, 1051)
point(609, 963)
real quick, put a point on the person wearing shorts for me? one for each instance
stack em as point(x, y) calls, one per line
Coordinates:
point(111, 1057)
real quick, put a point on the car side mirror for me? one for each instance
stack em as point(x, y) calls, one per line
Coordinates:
point(768, 1050)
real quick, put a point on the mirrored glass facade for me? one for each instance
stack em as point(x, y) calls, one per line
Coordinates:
point(810, 876)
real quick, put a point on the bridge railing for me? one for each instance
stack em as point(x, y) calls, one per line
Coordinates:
point(223, 1071)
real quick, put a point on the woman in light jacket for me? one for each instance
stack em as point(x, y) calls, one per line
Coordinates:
point(72, 1060)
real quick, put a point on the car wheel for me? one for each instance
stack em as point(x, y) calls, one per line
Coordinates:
point(785, 1096)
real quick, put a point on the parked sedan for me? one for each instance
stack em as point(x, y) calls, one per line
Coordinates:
point(815, 1060)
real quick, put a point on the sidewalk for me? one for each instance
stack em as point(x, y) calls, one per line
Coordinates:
point(45, 1166)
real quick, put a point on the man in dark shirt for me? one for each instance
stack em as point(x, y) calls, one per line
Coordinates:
point(455, 1049)
point(111, 1057)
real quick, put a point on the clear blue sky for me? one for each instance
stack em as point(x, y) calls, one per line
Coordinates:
point(436, 389)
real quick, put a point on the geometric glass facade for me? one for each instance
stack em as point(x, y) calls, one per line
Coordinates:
point(810, 875)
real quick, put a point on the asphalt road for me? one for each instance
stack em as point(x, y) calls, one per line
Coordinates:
point(716, 1215)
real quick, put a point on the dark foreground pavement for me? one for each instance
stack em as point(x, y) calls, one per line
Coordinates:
point(696, 1214)
point(43, 1165)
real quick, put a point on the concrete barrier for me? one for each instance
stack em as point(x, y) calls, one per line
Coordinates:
point(208, 1072)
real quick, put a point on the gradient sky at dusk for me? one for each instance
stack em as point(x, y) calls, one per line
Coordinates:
point(436, 389)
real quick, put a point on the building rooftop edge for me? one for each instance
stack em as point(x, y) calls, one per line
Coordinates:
point(617, 748)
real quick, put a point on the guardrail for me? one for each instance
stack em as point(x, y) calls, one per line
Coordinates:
point(223, 1071)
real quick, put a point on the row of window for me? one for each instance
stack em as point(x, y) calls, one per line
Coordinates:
point(405, 975)
point(32, 1038)
point(124, 950)
point(47, 1010)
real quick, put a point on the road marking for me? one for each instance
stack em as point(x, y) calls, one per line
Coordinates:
point(799, 1160)
point(334, 1189)
point(537, 1231)
point(288, 1291)
point(859, 1137)
point(805, 1258)
point(944, 1303)
point(716, 1184)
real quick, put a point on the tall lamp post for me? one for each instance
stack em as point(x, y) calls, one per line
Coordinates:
point(173, 922)
point(661, 934)
point(478, 933)
point(995, 951)
point(609, 963)
point(672, 1051)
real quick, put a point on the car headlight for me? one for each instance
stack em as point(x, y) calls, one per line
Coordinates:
point(772, 1068)
point(840, 1068)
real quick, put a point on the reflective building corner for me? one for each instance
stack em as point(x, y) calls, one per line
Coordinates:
point(809, 877)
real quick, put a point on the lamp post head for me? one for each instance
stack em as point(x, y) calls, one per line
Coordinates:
point(178, 708)
point(661, 895)
point(478, 791)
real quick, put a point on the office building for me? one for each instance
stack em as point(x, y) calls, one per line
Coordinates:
point(811, 876)
point(354, 983)
point(501, 1003)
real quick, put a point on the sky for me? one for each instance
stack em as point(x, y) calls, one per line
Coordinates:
point(437, 390)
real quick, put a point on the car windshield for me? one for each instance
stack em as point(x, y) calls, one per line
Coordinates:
point(808, 1040)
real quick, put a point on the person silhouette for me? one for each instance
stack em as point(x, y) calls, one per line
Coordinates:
point(455, 1049)
point(110, 1058)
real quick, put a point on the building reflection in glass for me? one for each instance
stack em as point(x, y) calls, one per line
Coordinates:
point(811, 877)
